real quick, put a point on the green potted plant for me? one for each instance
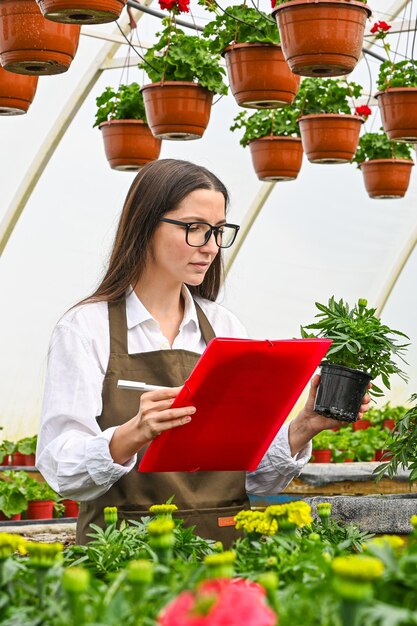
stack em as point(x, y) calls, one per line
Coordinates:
point(321, 37)
point(26, 449)
point(322, 447)
point(41, 500)
point(259, 76)
point(329, 131)
point(185, 75)
point(273, 137)
point(397, 95)
point(362, 349)
point(7, 448)
point(128, 140)
point(13, 498)
point(385, 165)
point(343, 448)
point(81, 11)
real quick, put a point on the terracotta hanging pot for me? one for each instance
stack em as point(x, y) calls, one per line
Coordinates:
point(30, 44)
point(276, 158)
point(386, 178)
point(16, 92)
point(81, 11)
point(330, 138)
point(259, 76)
point(322, 37)
point(177, 110)
point(398, 108)
point(129, 144)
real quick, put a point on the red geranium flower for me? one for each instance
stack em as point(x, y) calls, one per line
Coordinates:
point(178, 6)
point(234, 602)
point(363, 110)
point(380, 28)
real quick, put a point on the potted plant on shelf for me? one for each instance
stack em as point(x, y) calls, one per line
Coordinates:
point(13, 500)
point(362, 349)
point(31, 44)
point(128, 140)
point(6, 450)
point(397, 95)
point(343, 451)
point(25, 451)
point(259, 76)
point(16, 92)
point(321, 37)
point(274, 142)
point(185, 75)
point(322, 447)
point(385, 165)
point(41, 500)
point(329, 131)
point(81, 11)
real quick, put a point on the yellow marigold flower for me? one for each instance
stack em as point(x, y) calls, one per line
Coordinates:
point(44, 555)
point(163, 509)
point(256, 522)
point(413, 521)
point(161, 526)
point(358, 567)
point(275, 511)
point(299, 513)
point(394, 541)
point(228, 557)
point(10, 543)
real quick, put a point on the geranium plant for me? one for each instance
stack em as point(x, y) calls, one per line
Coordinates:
point(320, 95)
point(270, 122)
point(125, 103)
point(391, 74)
point(377, 146)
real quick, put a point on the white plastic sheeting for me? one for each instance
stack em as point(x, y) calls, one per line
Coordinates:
point(317, 236)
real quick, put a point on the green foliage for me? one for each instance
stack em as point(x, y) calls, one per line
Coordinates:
point(268, 122)
point(323, 440)
point(17, 488)
point(403, 445)
point(181, 57)
point(377, 146)
point(240, 24)
point(124, 104)
point(6, 449)
point(320, 95)
point(387, 412)
point(360, 340)
point(27, 445)
point(401, 74)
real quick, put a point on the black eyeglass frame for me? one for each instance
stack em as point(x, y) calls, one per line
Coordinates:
point(211, 229)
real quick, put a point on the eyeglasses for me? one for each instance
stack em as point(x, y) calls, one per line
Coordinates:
point(197, 234)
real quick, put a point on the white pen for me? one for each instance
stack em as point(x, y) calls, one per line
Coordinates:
point(139, 386)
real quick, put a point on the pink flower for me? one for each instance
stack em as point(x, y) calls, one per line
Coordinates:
point(363, 110)
point(222, 602)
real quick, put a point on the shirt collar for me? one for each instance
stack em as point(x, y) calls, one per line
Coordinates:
point(137, 313)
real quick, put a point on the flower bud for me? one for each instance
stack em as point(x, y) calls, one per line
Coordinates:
point(110, 515)
point(163, 509)
point(362, 303)
point(44, 555)
point(140, 572)
point(75, 580)
point(269, 580)
point(220, 565)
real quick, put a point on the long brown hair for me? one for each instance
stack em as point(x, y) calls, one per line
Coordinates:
point(157, 189)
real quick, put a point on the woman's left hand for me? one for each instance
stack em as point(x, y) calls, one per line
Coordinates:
point(309, 423)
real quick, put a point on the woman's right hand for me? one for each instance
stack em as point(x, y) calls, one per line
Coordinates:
point(155, 415)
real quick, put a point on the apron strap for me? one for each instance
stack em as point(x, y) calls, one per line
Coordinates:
point(118, 326)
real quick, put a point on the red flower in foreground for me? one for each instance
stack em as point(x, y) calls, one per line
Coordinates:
point(221, 602)
point(273, 3)
point(380, 28)
point(363, 110)
point(178, 6)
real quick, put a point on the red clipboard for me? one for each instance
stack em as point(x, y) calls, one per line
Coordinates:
point(243, 390)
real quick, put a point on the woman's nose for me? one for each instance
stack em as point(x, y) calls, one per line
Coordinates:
point(211, 245)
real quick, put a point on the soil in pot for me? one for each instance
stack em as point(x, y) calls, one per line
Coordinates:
point(340, 392)
point(276, 158)
point(177, 110)
point(330, 138)
point(81, 11)
point(398, 108)
point(16, 92)
point(386, 178)
point(259, 76)
point(129, 144)
point(30, 44)
point(322, 37)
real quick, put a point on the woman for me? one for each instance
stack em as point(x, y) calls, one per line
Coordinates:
point(150, 319)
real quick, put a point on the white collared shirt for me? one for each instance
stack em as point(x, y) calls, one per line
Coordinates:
point(73, 452)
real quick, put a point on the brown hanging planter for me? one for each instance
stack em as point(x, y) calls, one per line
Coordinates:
point(276, 158)
point(16, 92)
point(386, 178)
point(30, 44)
point(81, 11)
point(398, 108)
point(330, 138)
point(322, 37)
point(129, 144)
point(177, 110)
point(259, 76)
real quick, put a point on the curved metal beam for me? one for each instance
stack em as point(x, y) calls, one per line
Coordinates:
point(57, 132)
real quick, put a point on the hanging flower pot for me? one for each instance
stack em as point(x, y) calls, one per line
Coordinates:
point(176, 109)
point(16, 92)
point(322, 37)
point(129, 144)
point(259, 76)
point(330, 138)
point(40, 509)
point(81, 11)
point(386, 178)
point(30, 44)
point(398, 108)
point(276, 158)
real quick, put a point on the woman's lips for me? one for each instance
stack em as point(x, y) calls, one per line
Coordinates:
point(200, 266)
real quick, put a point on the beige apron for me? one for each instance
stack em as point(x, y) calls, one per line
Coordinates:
point(207, 500)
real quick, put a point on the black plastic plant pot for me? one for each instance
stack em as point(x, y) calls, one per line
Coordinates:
point(340, 392)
